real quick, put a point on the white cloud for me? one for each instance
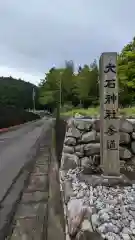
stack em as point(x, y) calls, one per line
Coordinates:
point(29, 77)
point(38, 34)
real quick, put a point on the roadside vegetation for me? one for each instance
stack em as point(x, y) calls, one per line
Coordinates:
point(78, 89)
point(129, 111)
point(73, 90)
point(15, 99)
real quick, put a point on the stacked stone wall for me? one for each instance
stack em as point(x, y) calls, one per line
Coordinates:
point(82, 145)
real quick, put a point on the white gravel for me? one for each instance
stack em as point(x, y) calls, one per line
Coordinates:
point(112, 209)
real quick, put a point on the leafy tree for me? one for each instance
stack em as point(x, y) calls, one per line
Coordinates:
point(81, 84)
point(57, 80)
point(17, 93)
point(49, 89)
point(78, 88)
point(82, 87)
point(126, 74)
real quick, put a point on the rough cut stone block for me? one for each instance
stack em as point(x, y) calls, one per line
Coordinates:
point(86, 225)
point(92, 149)
point(125, 153)
point(96, 160)
point(69, 161)
point(74, 223)
point(126, 126)
point(133, 135)
point(73, 132)
point(89, 136)
point(124, 138)
point(68, 190)
point(96, 125)
point(97, 140)
point(133, 147)
point(87, 235)
point(133, 160)
point(68, 149)
point(79, 148)
point(86, 162)
point(109, 159)
point(70, 141)
point(70, 123)
point(96, 180)
point(83, 125)
point(79, 154)
point(122, 163)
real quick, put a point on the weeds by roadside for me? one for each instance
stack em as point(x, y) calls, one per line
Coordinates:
point(96, 111)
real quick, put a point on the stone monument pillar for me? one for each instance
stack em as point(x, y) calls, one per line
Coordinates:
point(109, 122)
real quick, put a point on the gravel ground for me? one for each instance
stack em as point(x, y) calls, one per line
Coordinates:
point(111, 209)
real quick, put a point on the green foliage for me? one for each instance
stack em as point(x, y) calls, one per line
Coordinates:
point(10, 116)
point(76, 88)
point(17, 93)
point(126, 74)
point(82, 88)
point(130, 111)
point(15, 96)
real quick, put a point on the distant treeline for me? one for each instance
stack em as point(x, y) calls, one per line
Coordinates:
point(81, 87)
point(15, 98)
point(18, 93)
point(11, 116)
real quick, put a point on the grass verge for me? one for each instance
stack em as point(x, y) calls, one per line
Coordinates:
point(96, 111)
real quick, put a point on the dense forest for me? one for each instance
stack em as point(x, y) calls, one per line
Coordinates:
point(18, 93)
point(15, 98)
point(77, 87)
point(81, 87)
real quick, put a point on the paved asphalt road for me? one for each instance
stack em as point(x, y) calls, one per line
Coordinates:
point(16, 149)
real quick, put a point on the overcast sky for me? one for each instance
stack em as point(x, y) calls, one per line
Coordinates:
point(38, 34)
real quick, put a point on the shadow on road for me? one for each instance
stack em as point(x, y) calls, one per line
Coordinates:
point(60, 129)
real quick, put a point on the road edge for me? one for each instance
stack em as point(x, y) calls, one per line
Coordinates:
point(12, 128)
point(25, 170)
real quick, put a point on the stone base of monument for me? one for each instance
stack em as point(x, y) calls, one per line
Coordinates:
point(116, 180)
point(109, 181)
